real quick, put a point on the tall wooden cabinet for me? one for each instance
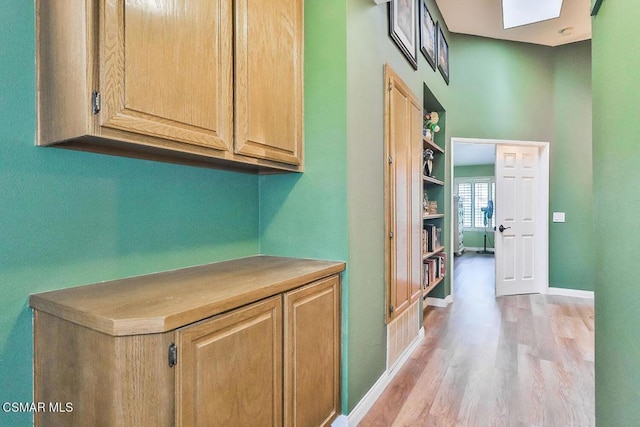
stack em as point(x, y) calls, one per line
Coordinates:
point(206, 82)
point(254, 341)
point(403, 194)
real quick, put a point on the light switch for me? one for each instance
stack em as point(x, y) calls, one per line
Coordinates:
point(558, 217)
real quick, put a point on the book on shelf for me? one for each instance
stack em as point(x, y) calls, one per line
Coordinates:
point(433, 269)
point(425, 275)
point(425, 244)
point(431, 232)
point(442, 263)
point(433, 272)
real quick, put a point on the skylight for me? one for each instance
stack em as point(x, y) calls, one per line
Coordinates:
point(522, 12)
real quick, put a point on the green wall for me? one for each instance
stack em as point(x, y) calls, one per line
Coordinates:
point(305, 215)
point(571, 244)
point(520, 91)
point(507, 93)
point(69, 218)
point(616, 150)
point(475, 239)
point(474, 171)
point(369, 47)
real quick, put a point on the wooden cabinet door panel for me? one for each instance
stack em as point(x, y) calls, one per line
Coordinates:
point(312, 354)
point(269, 79)
point(167, 69)
point(415, 213)
point(403, 194)
point(229, 370)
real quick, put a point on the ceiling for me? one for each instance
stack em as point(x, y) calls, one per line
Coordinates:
point(484, 18)
point(473, 154)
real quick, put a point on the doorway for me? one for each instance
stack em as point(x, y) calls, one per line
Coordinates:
point(521, 256)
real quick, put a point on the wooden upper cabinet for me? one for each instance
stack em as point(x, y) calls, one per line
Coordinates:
point(269, 79)
point(157, 80)
point(166, 70)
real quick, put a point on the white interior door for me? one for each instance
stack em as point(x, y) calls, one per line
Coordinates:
point(519, 247)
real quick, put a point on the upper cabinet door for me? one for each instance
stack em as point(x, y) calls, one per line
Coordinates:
point(166, 69)
point(269, 79)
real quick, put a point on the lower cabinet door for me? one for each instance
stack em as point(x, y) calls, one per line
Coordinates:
point(312, 354)
point(229, 369)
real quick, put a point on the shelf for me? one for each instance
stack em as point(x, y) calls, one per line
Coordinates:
point(429, 288)
point(430, 254)
point(433, 216)
point(428, 143)
point(432, 180)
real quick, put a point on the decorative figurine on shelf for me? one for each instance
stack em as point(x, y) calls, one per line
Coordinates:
point(427, 162)
point(425, 202)
point(430, 125)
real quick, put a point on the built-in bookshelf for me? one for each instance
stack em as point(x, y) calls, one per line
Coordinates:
point(434, 216)
point(431, 286)
point(433, 178)
point(428, 255)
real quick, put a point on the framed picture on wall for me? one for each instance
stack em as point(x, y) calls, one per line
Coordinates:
point(403, 28)
point(427, 34)
point(443, 55)
point(595, 6)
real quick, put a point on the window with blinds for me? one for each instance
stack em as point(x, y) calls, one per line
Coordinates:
point(475, 194)
point(465, 193)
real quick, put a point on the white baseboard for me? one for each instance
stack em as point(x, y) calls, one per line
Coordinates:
point(376, 390)
point(341, 421)
point(570, 293)
point(439, 302)
point(474, 249)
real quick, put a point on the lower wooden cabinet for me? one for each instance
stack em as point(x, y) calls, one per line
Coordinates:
point(229, 369)
point(312, 354)
point(273, 362)
point(95, 379)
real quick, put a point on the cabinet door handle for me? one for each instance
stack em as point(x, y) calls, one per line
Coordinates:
point(173, 355)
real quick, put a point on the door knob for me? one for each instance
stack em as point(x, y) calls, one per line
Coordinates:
point(502, 228)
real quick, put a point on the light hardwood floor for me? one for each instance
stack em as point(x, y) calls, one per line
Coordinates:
point(524, 360)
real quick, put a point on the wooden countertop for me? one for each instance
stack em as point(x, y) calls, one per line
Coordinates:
point(161, 302)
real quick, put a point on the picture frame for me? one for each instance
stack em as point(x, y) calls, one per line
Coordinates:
point(595, 7)
point(427, 34)
point(403, 28)
point(443, 55)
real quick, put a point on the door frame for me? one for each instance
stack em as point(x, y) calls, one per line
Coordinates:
point(542, 261)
